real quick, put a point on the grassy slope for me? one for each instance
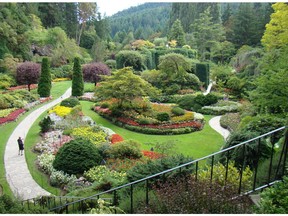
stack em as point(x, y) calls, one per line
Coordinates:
point(57, 90)
point(197, 144)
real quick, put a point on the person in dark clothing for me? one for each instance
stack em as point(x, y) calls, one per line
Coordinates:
point(21, 145)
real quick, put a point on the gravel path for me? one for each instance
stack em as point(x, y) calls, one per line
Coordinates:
point(17, 173)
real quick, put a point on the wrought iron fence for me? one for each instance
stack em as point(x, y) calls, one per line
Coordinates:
point(275, 170)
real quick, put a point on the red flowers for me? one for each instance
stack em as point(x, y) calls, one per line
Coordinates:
point(152, 155)
point(116, 138)
point(102, 110)
point(12, 116)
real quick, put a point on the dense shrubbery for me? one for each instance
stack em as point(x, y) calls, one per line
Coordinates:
point(221, 108)
point(125, 149)
point(187, 196)
point(77, 156)
point(17, 99)
point(70, 102)
point(155, 166)
point(9, 205)
point(45, 124)
point(274, 199)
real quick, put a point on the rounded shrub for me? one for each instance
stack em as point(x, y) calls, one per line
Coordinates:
point(77, 156)
point(70, 102)
point(178, 111)
point(163, 116)
point(125, 149)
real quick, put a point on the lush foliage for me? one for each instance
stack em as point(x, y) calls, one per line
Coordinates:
point(273, 200)
point(77, 156)
point(12, 116)
point(45, 124)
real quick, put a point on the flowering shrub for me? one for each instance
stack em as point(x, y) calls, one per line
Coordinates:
point(188, 116)
point(6, 112)
point(102, 110)
point(45, 163)
point(93, 134)
point(58, 178)
point(97, 174)
point(221, 108)
point(161, 108)
point(151, 154)
point(125, 149)
point(198, 117)
point(116, 138)
point(61, 110)
point(12, 116)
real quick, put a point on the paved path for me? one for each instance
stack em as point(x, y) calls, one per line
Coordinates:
point(215, 124)
point(17, 173)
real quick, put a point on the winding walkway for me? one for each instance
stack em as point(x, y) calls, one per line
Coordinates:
point(215, 124)
point(17, 173)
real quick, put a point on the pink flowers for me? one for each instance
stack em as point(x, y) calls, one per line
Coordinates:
point(12, 116)
point(102, 110)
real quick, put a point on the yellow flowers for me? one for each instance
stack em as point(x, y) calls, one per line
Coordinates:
point(89, 133)
point(188, 116)
point(61, 111)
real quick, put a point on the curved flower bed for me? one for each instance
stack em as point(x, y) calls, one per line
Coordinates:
point(159, 128)
point(12, 116)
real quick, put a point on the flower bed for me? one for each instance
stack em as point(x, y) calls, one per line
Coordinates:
point(116, 138)
point(151, 154)
point(12, 116)
point(32, 86)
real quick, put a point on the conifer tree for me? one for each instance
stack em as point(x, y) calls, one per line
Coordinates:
point(44, 86)
point(177, 33)
point(77, 79)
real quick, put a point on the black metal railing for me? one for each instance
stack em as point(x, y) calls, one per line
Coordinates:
point(276, 170)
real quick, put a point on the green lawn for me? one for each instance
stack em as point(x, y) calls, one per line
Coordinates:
point(197, 144)
point(57, 90)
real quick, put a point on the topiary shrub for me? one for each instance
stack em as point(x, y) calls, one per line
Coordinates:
point(178, 111)
point(77, 156)
point(163, 116)
point(125, 149)
point(186, 102)
point(70, 102)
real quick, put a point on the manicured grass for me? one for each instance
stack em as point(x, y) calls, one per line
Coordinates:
point(57, 90)
point(197, 144)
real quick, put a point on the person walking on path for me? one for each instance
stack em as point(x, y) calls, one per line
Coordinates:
point(20, 145)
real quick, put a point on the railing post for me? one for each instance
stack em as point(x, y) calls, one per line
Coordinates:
point(131, 199)
point(271, 163)
point(285, 152)
point(196, 177)
point(242, 168)
point(212, 169)
point(256, 164)
point(147, 191)
point(227, 167)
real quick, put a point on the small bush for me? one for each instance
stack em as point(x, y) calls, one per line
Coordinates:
point(178, 111)
point(163, 116)
point(104, 105)
point(70, 102)
point(186, 102)
point(45, 124)
point(77, 156)
point(125, 149)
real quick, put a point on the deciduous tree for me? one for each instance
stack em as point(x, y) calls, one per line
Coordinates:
point(93, 72)
point(28, 73)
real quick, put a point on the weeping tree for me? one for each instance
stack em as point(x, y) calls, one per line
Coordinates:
point(44, 86)
point(77, 79)
point(27, 73)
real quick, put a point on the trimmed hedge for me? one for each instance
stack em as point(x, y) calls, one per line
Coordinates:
point(202, 72)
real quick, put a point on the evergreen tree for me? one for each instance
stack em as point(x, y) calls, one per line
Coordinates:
point(77, 79)
point(44, 85)
point(177, 33)
point(71, 19)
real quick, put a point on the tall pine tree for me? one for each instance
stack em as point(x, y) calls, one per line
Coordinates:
point(177, 33)
point(44, 86)
point(77, 79)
